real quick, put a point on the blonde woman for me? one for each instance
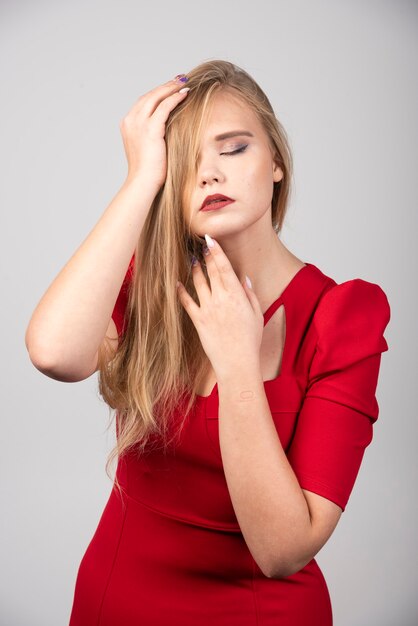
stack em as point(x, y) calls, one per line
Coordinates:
point(242, 378)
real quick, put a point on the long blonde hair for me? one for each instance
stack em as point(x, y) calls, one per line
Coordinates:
point(160, 361)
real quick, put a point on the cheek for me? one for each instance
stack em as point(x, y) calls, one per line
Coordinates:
point(258, 183)
point(256, 171)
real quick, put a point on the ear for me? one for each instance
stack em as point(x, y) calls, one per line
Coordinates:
point(277, 172)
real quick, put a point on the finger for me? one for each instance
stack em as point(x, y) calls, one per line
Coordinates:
point(215, 280)
point(200, 282)
point(252, 297)
point(187, 301)
point(219, 267)
point(165, 106)
point(149, 101)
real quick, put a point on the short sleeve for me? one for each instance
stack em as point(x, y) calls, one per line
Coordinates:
point(119, 309)
point(335, 423)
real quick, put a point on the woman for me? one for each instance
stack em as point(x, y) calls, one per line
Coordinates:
point(243, 406)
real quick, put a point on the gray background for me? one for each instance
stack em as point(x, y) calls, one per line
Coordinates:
point(342, 79)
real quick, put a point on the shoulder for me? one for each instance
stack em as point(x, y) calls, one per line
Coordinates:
point(331, 303)
point(349, 321)
point(358, 301)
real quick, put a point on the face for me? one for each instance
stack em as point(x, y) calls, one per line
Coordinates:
point(240, 167)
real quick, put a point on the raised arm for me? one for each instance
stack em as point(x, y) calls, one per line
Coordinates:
point(70, 322)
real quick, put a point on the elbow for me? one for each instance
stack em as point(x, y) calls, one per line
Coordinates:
point(40, 356)
point(279, 571)
point(283, 567)
point(275, 568)
point(57, 368)
point(62, 372)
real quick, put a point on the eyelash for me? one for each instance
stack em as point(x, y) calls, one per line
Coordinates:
point(242, 149)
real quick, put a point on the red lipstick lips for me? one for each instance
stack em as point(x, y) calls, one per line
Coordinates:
point(215, 201)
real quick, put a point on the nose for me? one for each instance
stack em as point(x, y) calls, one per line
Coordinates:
point(210, 176)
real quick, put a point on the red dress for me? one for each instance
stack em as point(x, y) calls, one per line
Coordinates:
point(170, 550)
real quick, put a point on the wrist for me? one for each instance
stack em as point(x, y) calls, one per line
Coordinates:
point(243, 375)
point(138, 184)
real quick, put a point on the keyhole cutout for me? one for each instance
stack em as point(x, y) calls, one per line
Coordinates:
point(271, 353)
point(272, 344)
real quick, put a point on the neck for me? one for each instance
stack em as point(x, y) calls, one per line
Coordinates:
point(265, 259)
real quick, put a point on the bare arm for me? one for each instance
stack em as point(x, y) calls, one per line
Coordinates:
point(283, 525)
point(69, 323)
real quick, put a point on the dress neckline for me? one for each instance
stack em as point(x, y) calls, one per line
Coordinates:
point(272, 307)
point(268, 313)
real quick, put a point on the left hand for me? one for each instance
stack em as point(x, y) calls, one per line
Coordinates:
point(229, 320)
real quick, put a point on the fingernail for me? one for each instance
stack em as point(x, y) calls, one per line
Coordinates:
point(209, 241)
point(184, 89)
point(248, 281)
point(182, 78)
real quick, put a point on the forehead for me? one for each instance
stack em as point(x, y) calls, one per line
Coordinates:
point(226, 113)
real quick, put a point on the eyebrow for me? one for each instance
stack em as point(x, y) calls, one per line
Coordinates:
point(233, 133)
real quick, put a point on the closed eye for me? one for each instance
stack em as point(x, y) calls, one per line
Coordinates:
point(236, 151)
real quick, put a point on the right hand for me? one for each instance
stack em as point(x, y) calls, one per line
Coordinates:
point(143, 130)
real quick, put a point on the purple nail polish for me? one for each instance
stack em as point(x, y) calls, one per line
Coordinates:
point(182, 78)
